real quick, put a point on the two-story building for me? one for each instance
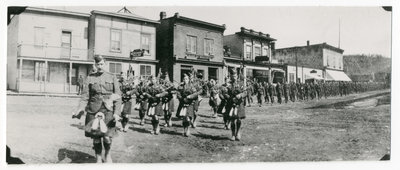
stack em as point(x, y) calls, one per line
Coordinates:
point(47, 50)
point(115, 35)
point(254, 50)
point(317, 61)
point(185, 43)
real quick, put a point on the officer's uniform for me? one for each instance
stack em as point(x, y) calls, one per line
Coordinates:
point(97, 97)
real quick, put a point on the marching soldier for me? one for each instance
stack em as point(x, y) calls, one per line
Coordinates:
point(141, 100)
point(155, 92)
point(293, 92)
point(266, 94)
point(249, 96)
point(260, 91)
point(318, 90)
point(224, 96)
point(168, 101)
point(286, 91)
point(271, 92)
point(187, 96)
point(196, 81)
point(101, 100)
point(279, 92)
point(235, 106)
point(127, 90)
point(214, 101)
point(306, 91)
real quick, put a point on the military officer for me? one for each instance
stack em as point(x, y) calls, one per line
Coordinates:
point(101, 99)
point(271, 92)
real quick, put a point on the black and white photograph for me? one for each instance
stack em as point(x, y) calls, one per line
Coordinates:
point(150, 84)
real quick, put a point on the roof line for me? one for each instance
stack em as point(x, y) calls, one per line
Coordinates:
point(37, 9)
point(223, 27)
point(124, 16)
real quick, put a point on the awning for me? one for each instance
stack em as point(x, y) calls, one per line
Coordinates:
point(313, 76)
point(332, 75)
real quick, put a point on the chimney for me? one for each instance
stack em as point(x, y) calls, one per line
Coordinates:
point(177, 14)
point(308, 42)
point(242, 29)
point(163, 15)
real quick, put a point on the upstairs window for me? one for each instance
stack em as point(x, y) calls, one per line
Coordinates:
point(208, 47)
point(146, 42)
point(191, 44)
point(248, 51)
point(116, 40)
point(257, 51)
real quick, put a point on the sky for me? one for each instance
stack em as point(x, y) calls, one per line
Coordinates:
point(363, 30)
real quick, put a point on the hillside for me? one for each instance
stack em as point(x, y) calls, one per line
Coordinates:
point(366, 64)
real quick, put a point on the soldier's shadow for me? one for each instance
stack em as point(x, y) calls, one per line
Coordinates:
point(208, 136)
point(210, 126)
point(140, 130)
point(79, 126)
point(74, 156)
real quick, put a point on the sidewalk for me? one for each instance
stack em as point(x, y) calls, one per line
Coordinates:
point(14, 93)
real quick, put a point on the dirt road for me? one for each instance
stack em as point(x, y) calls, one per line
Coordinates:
point(355, 127)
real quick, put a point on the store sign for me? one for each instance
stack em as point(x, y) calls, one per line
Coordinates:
point(137, 53)
point(261, 58)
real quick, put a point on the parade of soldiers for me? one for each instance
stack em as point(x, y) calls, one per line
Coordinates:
point(113, 100)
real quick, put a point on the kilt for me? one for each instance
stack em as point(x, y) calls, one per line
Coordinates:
point(109, 121)
point(241, 114)
point(171, 105)
point(190, 109)
point(143, 105)
point(158, 111)
point(126, 110)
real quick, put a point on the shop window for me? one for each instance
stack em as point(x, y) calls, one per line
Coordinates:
point(115, 68)
point(213, 73)
point(145, 71)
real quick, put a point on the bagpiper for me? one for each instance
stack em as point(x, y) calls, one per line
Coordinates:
point(187, 96)
point(215, 100)
point(127, 89)
point(155, 92)
point(168, 101)
point(101, 101)
point(235, 105)
point(141, 100)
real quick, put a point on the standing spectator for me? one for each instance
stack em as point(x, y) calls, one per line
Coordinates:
point(80, 84)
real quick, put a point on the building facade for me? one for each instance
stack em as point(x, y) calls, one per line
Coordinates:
point(184, 44)
point(115, 35)
point(47, 50)
point(318, 61)
point(255, 51)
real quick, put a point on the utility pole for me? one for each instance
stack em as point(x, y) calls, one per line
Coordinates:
point(297, 76)
point(339, 34)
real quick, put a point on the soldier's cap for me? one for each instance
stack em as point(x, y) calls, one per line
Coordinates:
point(98, 58)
